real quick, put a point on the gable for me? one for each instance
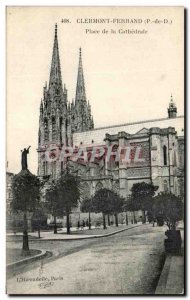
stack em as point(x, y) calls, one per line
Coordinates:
point(142, 131)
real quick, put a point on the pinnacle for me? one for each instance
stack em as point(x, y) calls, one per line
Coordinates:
point(80, 90)
point(55, 30)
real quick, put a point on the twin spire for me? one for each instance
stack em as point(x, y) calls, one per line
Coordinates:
point(78, 112)
point(55, 81)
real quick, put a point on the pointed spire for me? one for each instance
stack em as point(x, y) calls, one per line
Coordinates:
point(82, 108)
point(41, 106)
point(55, 30)
point(89, 106)
point(55, 81)
point(80, 89)
point(72, 103)
point(91, 123)
point(171, 104)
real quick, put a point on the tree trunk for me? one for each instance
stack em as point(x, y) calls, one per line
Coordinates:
point(116, 220)
point(126, 218)
point(55, 225)
point(131, 216)
point(68, 224)
point(89, 221)
point(144, 218)
point(104, 221)
point(108, 220)
point(39, 232)
point(135, 222)
point(25, 246)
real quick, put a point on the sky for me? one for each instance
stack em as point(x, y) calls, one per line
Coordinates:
point(128, 77)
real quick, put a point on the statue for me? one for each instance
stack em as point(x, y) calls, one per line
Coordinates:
point(24, 158)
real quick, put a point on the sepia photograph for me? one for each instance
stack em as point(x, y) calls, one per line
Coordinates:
point(95, 137)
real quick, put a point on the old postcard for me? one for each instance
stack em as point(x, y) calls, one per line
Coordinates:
point(95, 150)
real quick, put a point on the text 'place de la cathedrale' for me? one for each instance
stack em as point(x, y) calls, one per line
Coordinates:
point(64, 124)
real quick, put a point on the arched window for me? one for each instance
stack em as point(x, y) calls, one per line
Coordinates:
point(165, 186)
point(61, 127)
point(66, 131)
point(39, 136)
point(53, 129)
point(165, 155)
point(46, 130)
point(44, 169)
point(53, 169)
point(175, 159)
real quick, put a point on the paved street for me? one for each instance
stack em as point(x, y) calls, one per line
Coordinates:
point(126, 263)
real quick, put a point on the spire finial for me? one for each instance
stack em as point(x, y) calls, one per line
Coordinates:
point(171, 98)
point(55, 30)
point(80, 52)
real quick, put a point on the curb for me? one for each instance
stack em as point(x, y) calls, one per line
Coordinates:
point(171, 280)
point(160, 289)
point(27, 260)
point(93, 236)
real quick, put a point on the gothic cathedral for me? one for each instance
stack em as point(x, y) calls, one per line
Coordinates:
point(62, 123)
point(59, 118)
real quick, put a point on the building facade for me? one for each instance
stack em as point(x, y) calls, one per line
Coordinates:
point(59, 119)
point(70, 124)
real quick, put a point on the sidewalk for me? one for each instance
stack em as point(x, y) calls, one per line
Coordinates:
point(13, 265)
point(76, 234)
point(171, 280)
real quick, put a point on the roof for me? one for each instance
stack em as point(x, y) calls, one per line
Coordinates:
point(97, 135)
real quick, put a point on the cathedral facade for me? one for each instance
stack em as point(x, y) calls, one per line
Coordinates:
point(59, 119)
point(158, 144)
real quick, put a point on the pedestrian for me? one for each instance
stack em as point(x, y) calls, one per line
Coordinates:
point(78, 225)
point(83, 224)
point(87, 224)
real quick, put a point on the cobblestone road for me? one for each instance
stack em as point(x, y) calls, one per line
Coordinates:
point(126, 263)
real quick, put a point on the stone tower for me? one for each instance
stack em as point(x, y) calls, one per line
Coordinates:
point(80, 109)
point(172, 109)
point(59, 119)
